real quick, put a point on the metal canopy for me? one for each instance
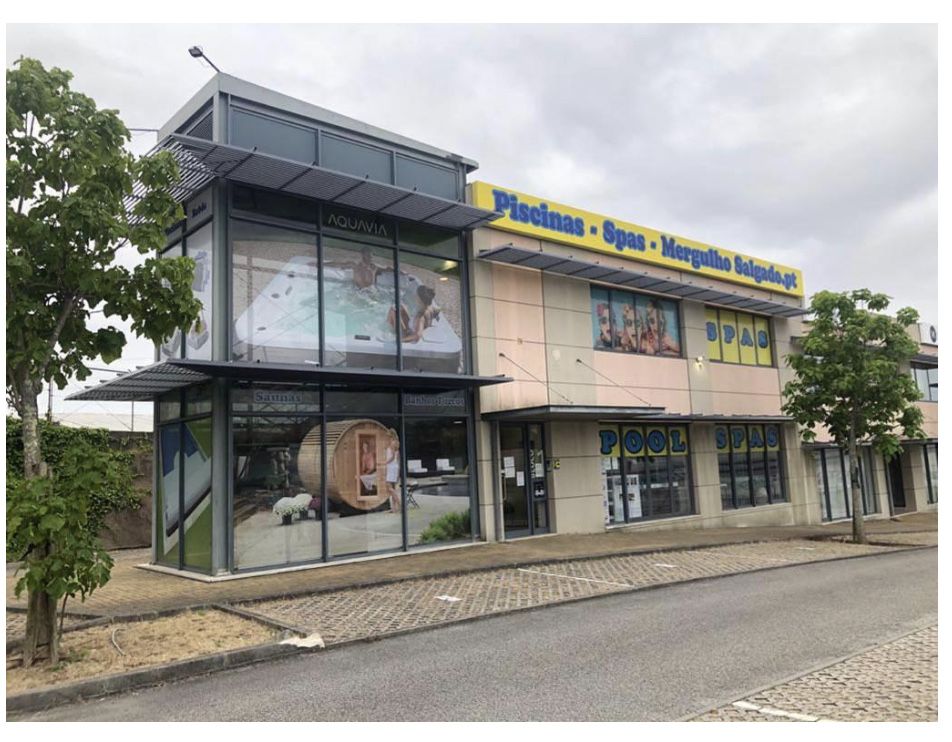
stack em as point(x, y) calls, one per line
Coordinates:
point(151, 381)
point(591, 270)
point(201, 161)
point(546, 413)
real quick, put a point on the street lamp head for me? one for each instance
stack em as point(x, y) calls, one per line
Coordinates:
point(195, 51)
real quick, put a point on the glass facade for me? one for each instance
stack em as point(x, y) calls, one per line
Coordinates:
point(184, 481)
point(282, 277)
point(750, 464)
point(336, 473)
point(635, 323)
point(832, 468)
point(737, 337)
point(646, 472)
point(927, 379)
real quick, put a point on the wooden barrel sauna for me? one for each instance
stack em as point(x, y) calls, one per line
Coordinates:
point(352, 446)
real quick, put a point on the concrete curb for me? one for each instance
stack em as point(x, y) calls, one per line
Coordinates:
point(45, 698)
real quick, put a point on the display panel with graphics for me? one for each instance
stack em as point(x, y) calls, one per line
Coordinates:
point(274, 294)
point(635, 323)
point(431, 314)
point(198, 340)
point(737, 337)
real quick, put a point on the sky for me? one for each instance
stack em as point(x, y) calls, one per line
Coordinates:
point(812, 146)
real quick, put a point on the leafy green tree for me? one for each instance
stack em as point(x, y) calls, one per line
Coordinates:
point(849, 380)
point(68, 178)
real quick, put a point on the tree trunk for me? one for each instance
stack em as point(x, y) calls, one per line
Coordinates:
point(856, 492)
point(41, 638)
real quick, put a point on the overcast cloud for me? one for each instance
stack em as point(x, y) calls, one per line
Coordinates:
point(814, 146)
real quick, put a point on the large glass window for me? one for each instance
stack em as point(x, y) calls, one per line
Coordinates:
point(355, 158)
point(750, 465)
point(737, 337)
point(437, 484)
point(277, 476)
point(274, 294)
point(172, 347)
point(645, 472)
point(927, 379)
point(635, 323)
point(252, 130)
point(360, 314)
point(183, 491)
point(833, 482)
point(931, 454)
point(431, 314)
point(427, 178)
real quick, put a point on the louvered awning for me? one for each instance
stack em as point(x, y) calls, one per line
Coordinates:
point(201, 161)
point(631, 278)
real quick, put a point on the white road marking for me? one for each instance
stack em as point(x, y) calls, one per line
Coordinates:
point(571, 577)
point(668, 566)
point(769, 711)
point(448, 598)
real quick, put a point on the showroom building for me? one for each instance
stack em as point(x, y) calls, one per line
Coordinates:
point(393, 357)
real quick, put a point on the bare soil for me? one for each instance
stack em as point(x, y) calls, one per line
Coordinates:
point(89, 653)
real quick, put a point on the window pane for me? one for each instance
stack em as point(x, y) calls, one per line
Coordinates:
point(341, 401)
point(713, 332)
point(277, 506)
point(758, 466)
point(356, 159)
point(922, 380)
point(762, 339)
point(197, 515)
point(431, 317)
point(932, 458)
point(656, 327)
point(867, 480)
point(775, 475)
point(429, 239)
point(167, 495)
point(932, 377)
point(274, 294)
point(724, 468)
point(170, 405)
point(660, 491)
point(745, 338)
point(363, 486)
point(172, 347)
point(438, 497)
point(426, 178)
point(276, 205)
point(359, 305)
point(624, 335)
point(601, 319)
point(820, 483)
point(742, 483)
point(275, 398)
point(612, 493)
point(680, 489)
point(638, 494)
point(729, 350)
point(250, 130)
point(834, 470)
point(198, 341)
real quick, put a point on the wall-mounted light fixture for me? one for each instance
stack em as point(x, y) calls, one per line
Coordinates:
point(699, 361)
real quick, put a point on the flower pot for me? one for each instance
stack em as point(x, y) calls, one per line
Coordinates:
point(286, 519)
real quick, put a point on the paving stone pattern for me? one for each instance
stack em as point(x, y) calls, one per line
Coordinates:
point(16, 624)
point(897, 681)
point(373, 611)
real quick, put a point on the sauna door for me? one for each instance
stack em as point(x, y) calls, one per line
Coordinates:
point(525, 502)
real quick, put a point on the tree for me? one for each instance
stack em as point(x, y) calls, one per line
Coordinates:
point(68, 178)
point(849, 379)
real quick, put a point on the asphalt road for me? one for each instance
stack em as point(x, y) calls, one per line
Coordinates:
point(654, 655)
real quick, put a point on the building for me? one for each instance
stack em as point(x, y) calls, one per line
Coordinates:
point(394, 357)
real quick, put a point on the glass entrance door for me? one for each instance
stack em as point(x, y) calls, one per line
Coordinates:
point(525, 497)
point(896, 489)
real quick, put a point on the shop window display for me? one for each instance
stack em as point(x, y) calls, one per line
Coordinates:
point(635, 323)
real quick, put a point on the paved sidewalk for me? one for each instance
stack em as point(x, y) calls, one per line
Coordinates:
point(898, 681)
point(346, 615)
point(132, 590)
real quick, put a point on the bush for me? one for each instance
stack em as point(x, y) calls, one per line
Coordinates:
point(449, 527)
point(61, 447)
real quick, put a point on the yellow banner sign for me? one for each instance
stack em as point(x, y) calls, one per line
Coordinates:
point(548, 220)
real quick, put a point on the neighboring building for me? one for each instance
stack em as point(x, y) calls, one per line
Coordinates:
point(554, 370)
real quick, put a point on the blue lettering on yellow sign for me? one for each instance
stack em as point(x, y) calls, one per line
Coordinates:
point(677, 445)
point(762, 339)
point(746, 339)
point(609, 439)
point(634, 441)
point(729, 333)
point(773, 439)
point(711, 331)
point(755, 440)
point(720, 438)
point(738, 437)
point(656, 441)
point(538, 216)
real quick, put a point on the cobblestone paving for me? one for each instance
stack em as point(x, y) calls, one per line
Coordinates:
point(898, 681)
point(352, 614)
point(926, 538)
